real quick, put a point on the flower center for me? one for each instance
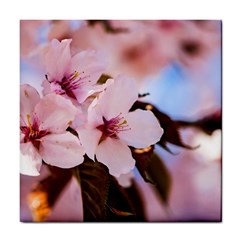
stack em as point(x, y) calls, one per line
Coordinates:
point(112, 127)
point(31, 132)
point(68, 84)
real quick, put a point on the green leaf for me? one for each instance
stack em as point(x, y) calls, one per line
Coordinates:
point(119, 206)
point(142, 157)
point(94, 179)
point(104, 200)
point(153, 170)
point(136, 198)
point(160, 176)
point(120, 213)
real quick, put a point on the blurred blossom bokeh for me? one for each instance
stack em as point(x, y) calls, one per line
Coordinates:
point(178, 62)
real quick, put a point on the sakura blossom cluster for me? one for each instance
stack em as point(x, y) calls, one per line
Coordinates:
point(98, 114)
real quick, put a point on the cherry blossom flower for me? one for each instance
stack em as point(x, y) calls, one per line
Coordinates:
point(111, 128)
point(72, 76)
point(43, 132)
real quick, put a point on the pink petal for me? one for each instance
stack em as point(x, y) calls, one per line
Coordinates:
point(94, 114)
point(46, 87)
point(88, 64)
point(118, 97)
point(82, 93)
point(58, 59)
point(144, 130)
point(116, 156)
point(55, 113)
point(30, 160)
point(80, 118)
point(22, 135)
point(61, 150)
point(100, 87)
point(29, 97)
point(125, 180)
point(89, 139)
point(86, 90)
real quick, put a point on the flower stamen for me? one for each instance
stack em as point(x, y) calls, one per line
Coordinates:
point(68, 84)
point(76, 74)
point(31, 131)
point(112, 127)
point(29, 124)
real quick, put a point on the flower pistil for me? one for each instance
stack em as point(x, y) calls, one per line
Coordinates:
point(31, 132)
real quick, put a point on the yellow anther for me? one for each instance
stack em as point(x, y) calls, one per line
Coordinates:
point(124, 122)
point(74, 75)
point(29, 123)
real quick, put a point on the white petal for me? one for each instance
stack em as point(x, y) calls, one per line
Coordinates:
point(100, 87)
point(87, 90)
point(80, 118)
point(30, 160)
point(144, 130)
point(46, 87)
point(125, 180)
point(116, 155)
point(118, 97)
point(89, 139)
point(61, 150)
point(55, 113)
point(57, 59)
point(29, 97)
point(89, 64)
point(82, 93)
point(94, 114)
